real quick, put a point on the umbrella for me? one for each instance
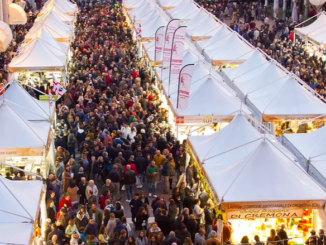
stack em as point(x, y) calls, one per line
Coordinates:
point(5, 36)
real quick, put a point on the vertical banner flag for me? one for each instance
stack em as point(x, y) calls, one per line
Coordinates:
point(170, 29)
point(179, 40)
point(57, 88)
point(159, 43)
point(185, 78)
point(50, 98)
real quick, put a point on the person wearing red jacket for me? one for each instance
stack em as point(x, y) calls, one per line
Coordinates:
point(65, 199)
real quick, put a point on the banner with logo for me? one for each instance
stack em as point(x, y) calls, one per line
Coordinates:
point(159, 43)
point(184, 86)
point(19, 152)
point(264, 213)
point(200, 120)
point(274, 205)
point(58, 89)
point(170, 29)
point(178, 44)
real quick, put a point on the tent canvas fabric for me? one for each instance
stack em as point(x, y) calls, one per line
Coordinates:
point(52, 20)
point(54, 30)
point(292, 182)
point(229, 49)
point(133, 4)
point(146, 18)
point(221, 32)
point(17, 132)
point(256, 62)
point(149, 28)
point(18, 210)
point(185, 11)
point(168, 3)
point(312, 147)
point(26, 106)
point(316, 31)
point(200, 14)
point(65, 6)
point(38, 56)
point(142, 11)
point(203, 28)
point(207, 97)
point(238, 132)
point(65, 17)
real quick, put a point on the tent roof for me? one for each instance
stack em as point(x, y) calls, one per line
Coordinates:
point(200, 14)
point(316, 31)
point(38, 55)
point(169, 3)
point(238, 132)
point(134, 3)
point(206, 26)
point(257, 172)
point(17, 132)
point(149, 28)
point(60, 12)
point(51, 26)
point(221, 32)
point(254, 63)
point(146, 18)
point(9, 231)
point(25, 105)
point(56, 47)
point(13, 194)
point(142, 11)
point(185, 10)
point(65, 6)
point(207, 97)
point(229, 48)
point(52, 20)
point(312, 147)
point(189, 58)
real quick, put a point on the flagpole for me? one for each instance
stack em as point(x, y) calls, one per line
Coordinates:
point(179, 83)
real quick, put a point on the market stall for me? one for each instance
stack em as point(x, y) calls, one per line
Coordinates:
point(228, 50)
point(309, 149)
point(275, 95)
point(24, 144)
point(209, 100)
point(232, 165)
point(18, 211)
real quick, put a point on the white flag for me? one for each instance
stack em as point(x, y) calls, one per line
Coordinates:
point(57, 88)
point(179, 40)
point(159, 43)
point(170, 29)
point(185, 79)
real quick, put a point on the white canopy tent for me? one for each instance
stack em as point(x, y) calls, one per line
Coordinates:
point(200, 14)
point(292, 182)
point(133, 4)
point(20, 135)
point(256, 60)
point(149, 28)
point(203, 29)
point(64, 5)
point(221, 32)
point(229, 50)
point(142, 11)
point(58, 11)
point(37, 55)
point(168, 4)
point(52, 20)
point(18, 210)
point(311, 148)
point(185, 11)
point(315, 32)
point(237, 133)
point(146, 18)
point(208, 96)
point(17, 15)
point(26, 106)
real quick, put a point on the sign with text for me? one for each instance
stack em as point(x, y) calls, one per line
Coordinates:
point(17, 152)
point(264, 213)
point(318, 204)
point(184, 86)
point(170, 29)
point(178, 45)
point(159, 43)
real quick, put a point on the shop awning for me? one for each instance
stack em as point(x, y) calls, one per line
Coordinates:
point(18, 210)
point(5, 36)
point(17, 15)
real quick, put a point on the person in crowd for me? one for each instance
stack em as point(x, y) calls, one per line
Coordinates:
point(130, 181)
point(91, 228)
point(200, 237)
point(152, 174)
point(135, 204)
point(213, 238)
point(141, 239)
point(95, 214)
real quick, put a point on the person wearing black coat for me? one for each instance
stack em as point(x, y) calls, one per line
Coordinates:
point(178, 223)
point(172, 239)
point(135, 204)
point(162, 144)
point(82, 191)
point(50, 211)
point(141, 219)
point(163, 222)
point(141, 164)
point(189, 202)
point(192, 227)
point(183, 234)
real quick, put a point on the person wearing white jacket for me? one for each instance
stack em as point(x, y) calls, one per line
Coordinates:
point(198, 212)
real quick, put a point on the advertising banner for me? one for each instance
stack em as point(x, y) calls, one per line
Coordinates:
point(264, 213)
point(179, 40)
point(170, 29)
point(184, 86)
point(159, 43)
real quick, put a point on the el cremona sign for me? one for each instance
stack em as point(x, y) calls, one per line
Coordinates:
point(265, 213)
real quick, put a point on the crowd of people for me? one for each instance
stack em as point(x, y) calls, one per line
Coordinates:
point(275, 38)
point(114, 136)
